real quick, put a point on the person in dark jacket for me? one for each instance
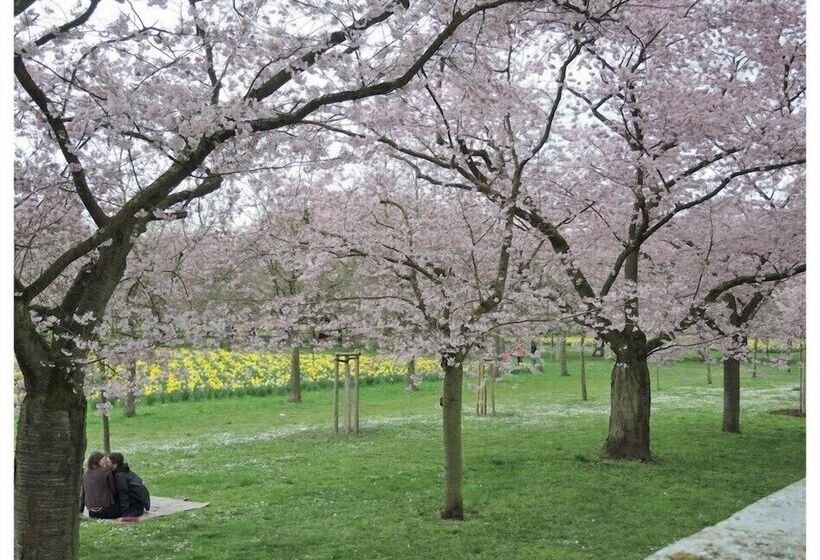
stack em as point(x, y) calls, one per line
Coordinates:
point(132, 495)
point(98, 494)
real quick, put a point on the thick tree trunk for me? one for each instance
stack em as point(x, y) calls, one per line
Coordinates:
point(47, 471)
point(562, 355)
point(583, 372)
point(630, 400)
point(130, 404)
point(295, 394)
point(453, 459)
point(410, 377)
point(731, 395)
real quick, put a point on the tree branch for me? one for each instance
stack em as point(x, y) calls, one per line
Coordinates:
point(696, 312)
point(63, 141)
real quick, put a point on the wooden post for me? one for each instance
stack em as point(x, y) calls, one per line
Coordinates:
point(583, 372)
point(336, 397)
point(357, 393)
point(493, 370)
point(483, 389)
point(348, 418)
point(478, 391)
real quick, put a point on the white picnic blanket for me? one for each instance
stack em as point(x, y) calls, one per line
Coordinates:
point(165, 506)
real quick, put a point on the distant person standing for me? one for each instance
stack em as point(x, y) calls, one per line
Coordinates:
point(98, 493)
point(132, 495)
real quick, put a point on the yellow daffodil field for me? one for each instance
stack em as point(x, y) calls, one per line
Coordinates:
point(193, 372)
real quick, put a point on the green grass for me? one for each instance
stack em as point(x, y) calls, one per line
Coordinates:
point(281, 485)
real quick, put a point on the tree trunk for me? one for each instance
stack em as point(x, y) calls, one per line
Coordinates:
point(47, 472)
point(583, 372)
point(562, 355)
point(105, 425)
point(803, 386)
point(295, 394)
point(630, 393)
point(453, 459)
point(630, 399)
point(754, 359)
point(731, 395)
point(789, 351)
point(130, 404)
point(410, 378)
point(704, 355)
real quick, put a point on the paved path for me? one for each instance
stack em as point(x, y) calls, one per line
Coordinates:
point(771, 528)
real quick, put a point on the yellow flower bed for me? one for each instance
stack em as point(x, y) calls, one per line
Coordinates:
point(217, 370)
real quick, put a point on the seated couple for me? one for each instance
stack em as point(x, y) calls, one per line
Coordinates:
point(111, 490)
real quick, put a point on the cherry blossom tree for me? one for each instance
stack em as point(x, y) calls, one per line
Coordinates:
point(130, 115)
point(634, 119)
point(435, 274)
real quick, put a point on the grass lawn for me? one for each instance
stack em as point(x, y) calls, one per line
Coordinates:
point(281, 485)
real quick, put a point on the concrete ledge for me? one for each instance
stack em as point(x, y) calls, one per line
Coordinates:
point(769, 529)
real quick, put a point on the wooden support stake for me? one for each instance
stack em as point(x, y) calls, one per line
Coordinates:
point(493, 371)
point(483, 389)
point(478, 390)
point(583, 372)
point(336, 398)
point(357, 394)
point(348, 420)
